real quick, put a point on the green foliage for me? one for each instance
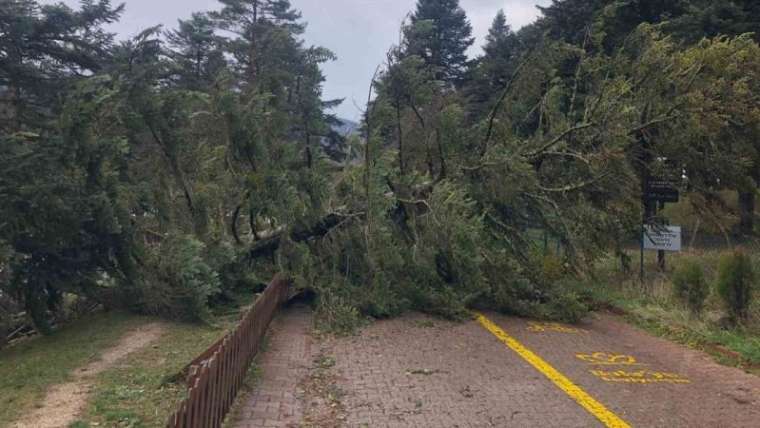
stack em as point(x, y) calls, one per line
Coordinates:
point(552, 267)
point(566, 306)
point(180, 283)
point(440, 33)
point(46, 49)
point(150, 160)
point(690, 285)
point(166, 173)
point(493, 71)
point(383, 300)
point(736, 281)
point(337, 315)
point(68, 221)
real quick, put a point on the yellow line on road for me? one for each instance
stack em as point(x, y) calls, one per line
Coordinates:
point(586, 401)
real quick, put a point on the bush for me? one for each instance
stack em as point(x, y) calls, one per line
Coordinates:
point(335, 314)
point(690, 285)
point(565, 306)
point(552, 267)
point(735, 282)
point(180, 282)
point(381, 300)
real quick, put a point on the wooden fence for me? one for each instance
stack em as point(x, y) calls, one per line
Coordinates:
point(215, 377)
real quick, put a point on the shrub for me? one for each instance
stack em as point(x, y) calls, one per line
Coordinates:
point(381, 300)
point(735, 281)
point(335, 314)
point(565, 306)
point(180, 282)
point(690, 285)
point(516, 291)
point(552, 267)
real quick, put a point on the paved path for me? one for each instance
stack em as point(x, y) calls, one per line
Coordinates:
point(276, 400)
point(419, 372)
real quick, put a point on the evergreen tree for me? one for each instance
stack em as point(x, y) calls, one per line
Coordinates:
point(498, 63)
point(60, 174)
point(570, 20)
point(703, 18)
point(197, 52)
point(265, 33)
point(440, 34)
point(44, 50)
point(500, 51)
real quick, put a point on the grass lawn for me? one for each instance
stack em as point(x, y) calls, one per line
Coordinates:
point(139, 392)
point(27, 369)
point(654, 307)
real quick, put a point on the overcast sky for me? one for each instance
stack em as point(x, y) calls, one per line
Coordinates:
point(358, 31)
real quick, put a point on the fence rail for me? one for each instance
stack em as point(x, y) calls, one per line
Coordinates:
point(216, 376)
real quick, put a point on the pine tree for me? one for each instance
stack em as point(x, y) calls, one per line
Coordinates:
point(60, 172)
point(265, 30)
point(196, 51)
point(569, 20)
point(498, 32)
point(705, 18)
point(495, 67)
point(440, 33)
point(45, 49)
point(501, 52)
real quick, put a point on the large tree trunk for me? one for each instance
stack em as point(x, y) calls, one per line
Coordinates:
point(746, 213)
point(267, 246)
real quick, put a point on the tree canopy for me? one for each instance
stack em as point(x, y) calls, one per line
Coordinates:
point(440, 34)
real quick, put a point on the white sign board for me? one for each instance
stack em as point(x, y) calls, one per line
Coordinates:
point(664, 238)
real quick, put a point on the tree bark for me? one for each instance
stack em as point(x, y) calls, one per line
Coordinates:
point(321, 228)
point(400, 131)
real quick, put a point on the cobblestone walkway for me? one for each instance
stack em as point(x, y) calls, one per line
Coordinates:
point(275, 400)
point(419, 372)
point(416, 371)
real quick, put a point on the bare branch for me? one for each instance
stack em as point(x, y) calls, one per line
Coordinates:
point(572, 155)
point(559, 138)
point(497, 107)
point(575, 187)
point(649, 124)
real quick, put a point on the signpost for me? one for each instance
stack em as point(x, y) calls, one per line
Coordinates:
point(660, 186)
point(662, 238)
point(660, 190)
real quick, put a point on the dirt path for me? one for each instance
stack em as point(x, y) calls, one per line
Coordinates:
point(417, 371)
point(64, 403)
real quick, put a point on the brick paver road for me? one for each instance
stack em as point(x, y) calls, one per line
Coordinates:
point(276, 401)
point(416, 371)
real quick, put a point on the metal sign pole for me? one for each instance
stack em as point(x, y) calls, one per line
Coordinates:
point(661, 253)
point(643, 231)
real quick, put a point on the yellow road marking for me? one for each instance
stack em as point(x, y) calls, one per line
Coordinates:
point(605, 359)
point(580, 396)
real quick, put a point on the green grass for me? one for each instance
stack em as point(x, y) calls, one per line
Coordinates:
point(140, 392)
point(653, 306)
point(137, 392)
point(29, 368)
